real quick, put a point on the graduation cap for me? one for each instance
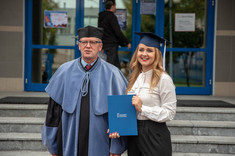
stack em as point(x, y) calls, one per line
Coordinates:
point(90, 31)
point(152, 40)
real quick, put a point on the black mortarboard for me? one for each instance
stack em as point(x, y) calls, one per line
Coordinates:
point(90, 31)
point(152, 40)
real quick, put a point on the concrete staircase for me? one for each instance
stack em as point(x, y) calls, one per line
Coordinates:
point(20, 130)
point(201, 131)
point(196, 131)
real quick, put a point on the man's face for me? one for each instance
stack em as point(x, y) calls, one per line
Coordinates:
point(89, 47)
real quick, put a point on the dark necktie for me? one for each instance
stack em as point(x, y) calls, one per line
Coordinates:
point(88, 66)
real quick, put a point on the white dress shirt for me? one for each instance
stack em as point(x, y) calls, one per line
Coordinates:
point(158, 105)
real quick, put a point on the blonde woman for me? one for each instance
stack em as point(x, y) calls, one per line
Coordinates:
point(154, 100)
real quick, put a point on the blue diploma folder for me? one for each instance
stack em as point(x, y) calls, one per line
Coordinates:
point(122, 115)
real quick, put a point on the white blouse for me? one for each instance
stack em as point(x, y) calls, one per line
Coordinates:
point(158, 105)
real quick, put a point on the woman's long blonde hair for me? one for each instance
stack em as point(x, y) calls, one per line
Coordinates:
point(137, 68)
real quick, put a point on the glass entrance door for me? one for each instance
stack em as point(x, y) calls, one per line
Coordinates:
point(189, 26)
point(189, 29)
point(50, 39)
point(51, 27)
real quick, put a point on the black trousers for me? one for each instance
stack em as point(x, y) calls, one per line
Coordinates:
point(112, 55)
point(153, 140)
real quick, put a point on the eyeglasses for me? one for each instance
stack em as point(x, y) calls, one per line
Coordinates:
point(92, 43)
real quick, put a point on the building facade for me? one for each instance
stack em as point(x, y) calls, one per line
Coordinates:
point(200, 58)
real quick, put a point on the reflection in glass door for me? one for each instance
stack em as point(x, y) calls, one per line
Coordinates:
point(124, 15)
point(189, 26)
point(123, 12)
point(48, 45)
point(188, 67)
point(91, 11)
point(189, 57)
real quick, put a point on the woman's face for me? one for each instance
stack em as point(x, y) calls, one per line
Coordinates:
point(146, 56)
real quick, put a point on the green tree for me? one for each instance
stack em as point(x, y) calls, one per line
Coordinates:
point(128, 5)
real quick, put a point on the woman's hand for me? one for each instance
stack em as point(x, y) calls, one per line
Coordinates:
point(136, 101)
point(111, 154)
point(113, 135)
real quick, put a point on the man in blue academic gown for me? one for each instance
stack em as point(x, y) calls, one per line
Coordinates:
point(77, 115)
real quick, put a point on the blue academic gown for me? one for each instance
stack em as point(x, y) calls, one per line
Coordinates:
point(66, 87)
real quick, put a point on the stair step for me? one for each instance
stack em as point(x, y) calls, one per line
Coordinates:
point(200, 154)
point(44, 153)
point(205, 113)
point(177, 127)
point(203, 144)
point(21, 124)
point(23, 110)
point(205, 128)
point(190, 154)
point(197, 123)
point(203, 139)
point(21, 120)
point(24, 153)
point(180, 143)
point(199, 131)
point(20, 136)
point(21, 141)
point(183, 113)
